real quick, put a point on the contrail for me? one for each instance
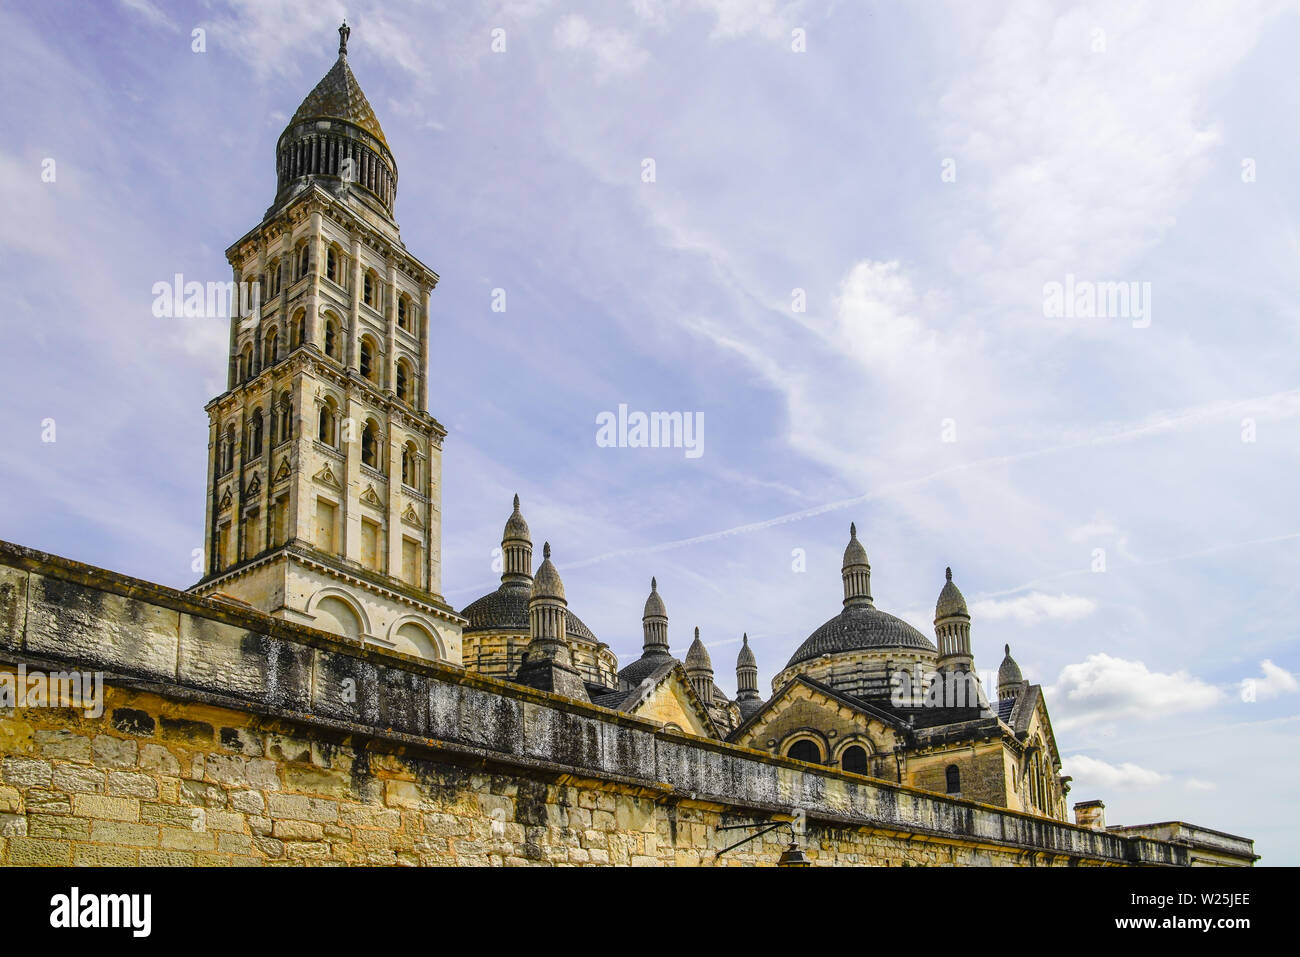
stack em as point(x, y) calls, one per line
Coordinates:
point(1280, 404)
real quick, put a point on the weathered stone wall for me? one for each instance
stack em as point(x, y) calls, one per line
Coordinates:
point(231, 737)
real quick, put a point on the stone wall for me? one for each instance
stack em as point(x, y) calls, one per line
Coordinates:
point(231, 737)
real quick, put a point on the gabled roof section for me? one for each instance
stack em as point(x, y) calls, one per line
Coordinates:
point(632, 700)
point(866, 708)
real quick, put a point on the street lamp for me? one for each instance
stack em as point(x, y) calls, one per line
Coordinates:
point(792, 856)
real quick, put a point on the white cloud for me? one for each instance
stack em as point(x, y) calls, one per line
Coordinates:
point(150, 12)
point(1034, 608)
point(1093, 774)
point(1103, 688)
point(1276, 681)
point(613, 52)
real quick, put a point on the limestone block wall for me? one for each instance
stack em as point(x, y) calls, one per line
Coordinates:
point(232, 737)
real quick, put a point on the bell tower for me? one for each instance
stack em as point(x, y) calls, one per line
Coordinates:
point(324, 464)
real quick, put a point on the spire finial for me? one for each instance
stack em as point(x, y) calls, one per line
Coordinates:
point(853, 529)
point(516, 501)
point(546, 550)
point(697, 632)
point(1007, 650)
point(744, 639)
point(344, 32)
point(654, 585)
point(948, 573)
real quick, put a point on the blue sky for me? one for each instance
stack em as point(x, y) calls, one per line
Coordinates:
point(1147, 143)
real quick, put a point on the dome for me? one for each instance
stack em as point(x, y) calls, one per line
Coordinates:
point(746, 657)
point(516, 527)
point(644, 667)
point(1009, 671)
point(860, 628)
point(855, 553)
point(546, 583)
point(697, 656)
point(951, 602)
point(506, 609)
point(654, 605)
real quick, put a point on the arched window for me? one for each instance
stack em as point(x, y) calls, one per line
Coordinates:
point(304, 259)
point(403, 382)
point(255, 434)
point(269, 348)
point(370, 445)
point(328, 433)
point(331, 339)
point(246, 363)
point(402, 317)
point(275, 279)
point(368, 289)
point(366, 361)
point(286, 417)
point(332, 265)
point(805, 750)
point(952, 776)
point(410, 465)
point(229, 450)
point(854, 759)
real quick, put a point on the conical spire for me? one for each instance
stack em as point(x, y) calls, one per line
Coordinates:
point(548, 662)
point(1010, 680)
point(516, 548)
point(699, 668)
point(335, 137)
point(746, 671)
point(654, 624)
point(547, 584)
point(856, 571)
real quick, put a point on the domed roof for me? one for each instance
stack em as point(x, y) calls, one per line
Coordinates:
point(746, 657)
point(697, 656)
point(636, 672)
point(506, 609)
point(860, 628)
point(516, 527)
point(951, 601)
point(338, 96)
point(1009, 671)
point(748, 706)
point(654, 605)
point(855, 553)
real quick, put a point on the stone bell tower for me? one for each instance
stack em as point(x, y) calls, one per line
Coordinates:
point(324, 464)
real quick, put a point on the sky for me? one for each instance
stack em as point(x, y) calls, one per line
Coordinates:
point(833, 234)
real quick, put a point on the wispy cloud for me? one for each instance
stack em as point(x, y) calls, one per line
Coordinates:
point(1102, 688)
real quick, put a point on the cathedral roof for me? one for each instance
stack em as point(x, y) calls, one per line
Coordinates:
point(860, 628)
point(951, 601)
point(338, 96)
point(506, 609)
